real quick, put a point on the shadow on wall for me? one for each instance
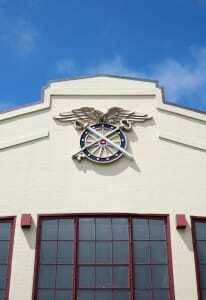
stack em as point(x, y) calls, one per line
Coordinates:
point(186, 236)
point(30, 235)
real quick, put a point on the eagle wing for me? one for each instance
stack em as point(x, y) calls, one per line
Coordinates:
point(117, 114)
point(84, 114)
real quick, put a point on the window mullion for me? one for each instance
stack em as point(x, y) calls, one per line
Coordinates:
point(131, 265)
point(75, 257)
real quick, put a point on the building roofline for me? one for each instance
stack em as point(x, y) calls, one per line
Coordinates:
point(156, 82)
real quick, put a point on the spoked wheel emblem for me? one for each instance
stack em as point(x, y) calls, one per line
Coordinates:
point(102, 139)
point(102, 143)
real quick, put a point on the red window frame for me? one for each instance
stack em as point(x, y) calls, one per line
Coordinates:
point(76, 216)
point(12, 221)
point(195, 219)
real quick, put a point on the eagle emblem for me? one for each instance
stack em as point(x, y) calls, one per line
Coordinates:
point(102, 139)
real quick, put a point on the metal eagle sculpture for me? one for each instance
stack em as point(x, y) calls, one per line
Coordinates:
point(102, 139)
point(85, 116)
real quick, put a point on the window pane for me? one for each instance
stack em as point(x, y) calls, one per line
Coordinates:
point(65, 252)
point(120, 295)
point(85, 295)
point(120, 252)
point(120, 228)
point(203, 293)
point(47, 276)
point(64, 277)
point(121, 276)
point(143, 295)
point(1, 294)
point(103, 252)
point(66, 229)
point(63, 295)
point(203, 276)
point(143, 277)
point(86, 229)
point(4, 249)
point(159, 277)
point(201, 249)
point(200, 229)
point(48, 252)
point(3, 270)
point(103, 229)
point(103, 277)
point(86, 277)
point(158, 252)
point(140, 229)
point(45, 295)
point(157, 230)
point(103, 295)
point(160, 295)
point(141, 252)
point(49, 229)
point(86, 252)
point(5, 231)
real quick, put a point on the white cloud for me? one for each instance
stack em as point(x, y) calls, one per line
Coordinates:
point(17, 32)
point(65, 66)
point(183, 78)
point(20, 37)
point(115, 66)
point(178, 79)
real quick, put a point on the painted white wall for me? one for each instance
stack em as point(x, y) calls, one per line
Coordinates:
point(38, 176)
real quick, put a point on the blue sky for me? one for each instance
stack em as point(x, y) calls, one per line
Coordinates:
point(42, 40)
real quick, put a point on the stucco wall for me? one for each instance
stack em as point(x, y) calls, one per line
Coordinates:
point(38, 175)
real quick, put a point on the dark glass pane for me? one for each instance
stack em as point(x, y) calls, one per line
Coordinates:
point(49, 230)
point(66, 229)
point(103, 295)
point(140, 229)
point(86, 277)
point(120, 252)
point(86, 229)
point(3, 270)
point(45, 295)
point(120, 295)
point(48, 252)
point(143, 295)
point(103, 277)
point(120, 228)
point(141, 252)
point(5, 229)
point(203, 294)
point(120, 277)
point(85, 295)
point(103, 252)
point(160, 277)
point(203, 276)
point(157, 230)
point(160, 295)
point(47, 277)
point(143, 277)
point(65, 252)
point(158, 252)
point(103, 229)
point(1, 294)
point(64, 277)
point(63, 295)
point(200, 229)
point(86, 252)
point(4, 249)
point(201, 250)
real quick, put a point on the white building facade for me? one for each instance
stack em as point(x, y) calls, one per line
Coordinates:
point(133, 229)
